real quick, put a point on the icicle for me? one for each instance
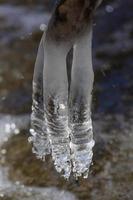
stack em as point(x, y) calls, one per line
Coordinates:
point(80, 105)
point(56, 106)
point(39, 138)
point(61, 122)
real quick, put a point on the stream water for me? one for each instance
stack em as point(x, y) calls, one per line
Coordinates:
point(21, 174)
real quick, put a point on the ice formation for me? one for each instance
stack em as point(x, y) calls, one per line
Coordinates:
point(61, 122)
point(61, 118)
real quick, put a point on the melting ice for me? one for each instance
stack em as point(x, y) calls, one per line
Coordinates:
point(61, 120)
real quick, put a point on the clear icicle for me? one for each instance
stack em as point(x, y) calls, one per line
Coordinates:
point(39, 138)
point(80, 104)
point(60, 125)
point(61, 122)
point(56, 106)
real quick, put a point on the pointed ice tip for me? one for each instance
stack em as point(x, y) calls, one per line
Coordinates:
point(32, 132)
point(86, 174)
point(30, 140)
point(43, 158)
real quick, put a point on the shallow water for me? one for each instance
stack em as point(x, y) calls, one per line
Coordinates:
point(28, 193)
point(111, 175)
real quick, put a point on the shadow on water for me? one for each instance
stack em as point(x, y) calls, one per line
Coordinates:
point(111, 176)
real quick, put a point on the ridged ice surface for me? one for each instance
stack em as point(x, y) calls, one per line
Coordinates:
point(81, 139)
point(39, 136)
point(58, 131)
point(81, 148)
point(71, 146)
point(69, 139)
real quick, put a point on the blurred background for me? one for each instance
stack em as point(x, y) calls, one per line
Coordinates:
point(24, 177)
